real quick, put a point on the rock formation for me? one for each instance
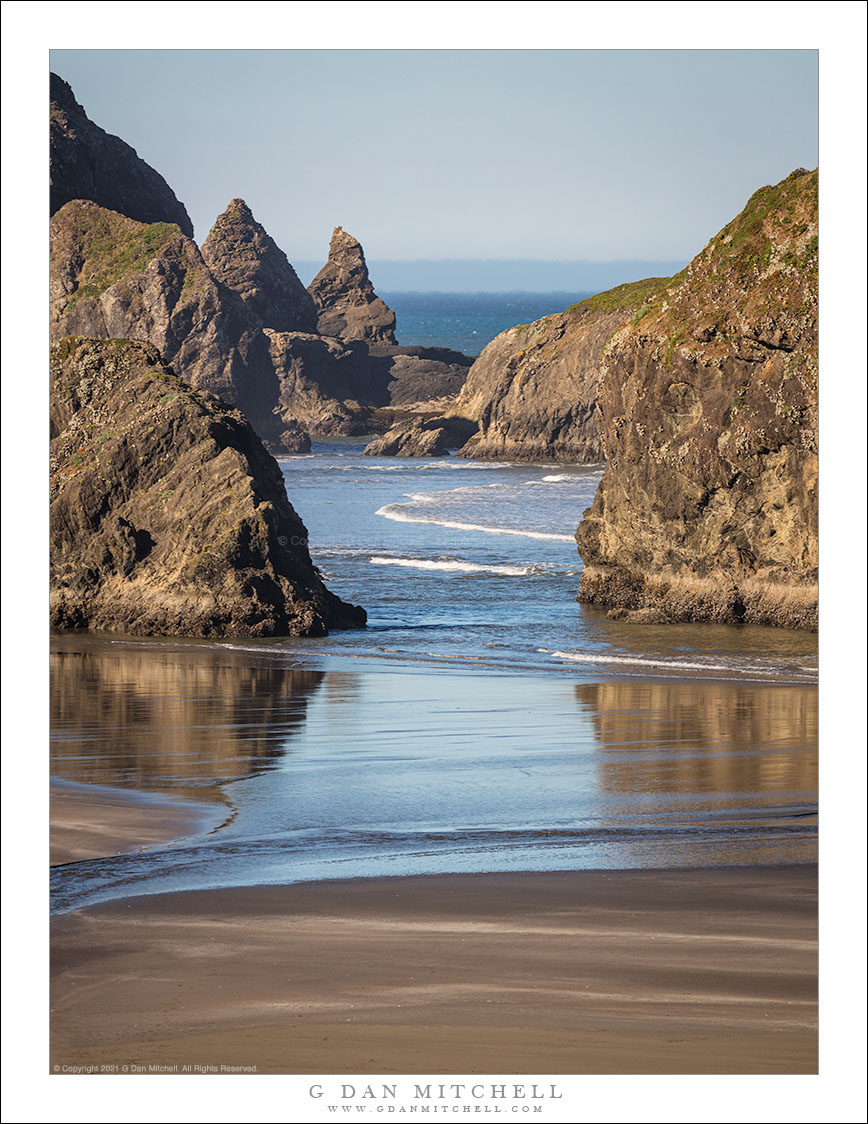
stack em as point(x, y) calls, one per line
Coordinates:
point(114, 278)
point(233, 319)
point(533, 390)
point(420, 374)
point(323, 385)
point(707, 509)
point(167, 514)
point(428, 437)
point(342, 291)
point(245, 258)
point(88, 163)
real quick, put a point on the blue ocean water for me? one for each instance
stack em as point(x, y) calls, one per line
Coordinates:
point(468, 321)
point(476, 562)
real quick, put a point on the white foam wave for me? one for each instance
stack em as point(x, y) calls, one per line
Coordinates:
point(412, 465)
point(396, 512)
point(564, 477)
point(453, 565)
point(669, 665)
point(484, 465)
point(445, 493)
point(340, 552)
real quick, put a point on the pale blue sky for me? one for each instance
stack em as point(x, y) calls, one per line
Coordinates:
point(562, 155)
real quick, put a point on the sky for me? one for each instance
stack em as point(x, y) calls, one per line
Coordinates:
point(561, 155)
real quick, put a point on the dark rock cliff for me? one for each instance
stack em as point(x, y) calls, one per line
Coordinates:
point(245, 258)
point(707, 509)
point(88, 163)
point(324, 386)
point(345, 298)
point(167, 514)
point(533, 390)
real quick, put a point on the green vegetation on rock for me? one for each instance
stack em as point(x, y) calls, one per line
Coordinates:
point(115, 247)
point(632, 295)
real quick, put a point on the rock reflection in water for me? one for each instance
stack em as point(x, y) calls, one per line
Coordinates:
point(163, 716)
point(706, 737)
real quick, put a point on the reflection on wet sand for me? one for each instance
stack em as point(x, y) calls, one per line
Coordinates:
point(160, 717)
point(704, 737)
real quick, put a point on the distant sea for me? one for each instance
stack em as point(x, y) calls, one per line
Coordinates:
point(468, 321)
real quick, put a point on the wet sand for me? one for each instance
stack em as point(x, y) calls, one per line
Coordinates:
point(702, 971)
point(91, 822)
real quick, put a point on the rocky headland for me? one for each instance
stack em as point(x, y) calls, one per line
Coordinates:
point(533, 390)
point(168, 516)
point(707, 509)
point(112, 277)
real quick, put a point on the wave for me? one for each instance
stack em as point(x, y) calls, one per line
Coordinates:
point(566, 477)
point(340, 552)
point(674, 665)
point(482, 465)
point(396, 512)
point(452, 566)
point(458, 565)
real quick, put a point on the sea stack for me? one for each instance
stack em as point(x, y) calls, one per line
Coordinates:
point(707, 509)
point(168, 517)
point(345, 298)
point(86, 162)
point(242, 255)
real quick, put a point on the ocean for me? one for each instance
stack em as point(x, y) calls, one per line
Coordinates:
point(483, 721)
point(466, 322)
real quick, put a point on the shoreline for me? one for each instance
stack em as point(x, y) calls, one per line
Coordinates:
point(89, 821)
point(687, 971)
point(334, 652)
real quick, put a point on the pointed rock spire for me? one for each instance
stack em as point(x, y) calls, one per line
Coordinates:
point(243, 256)
point(342, 290)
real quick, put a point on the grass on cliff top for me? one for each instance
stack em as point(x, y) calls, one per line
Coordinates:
point(754, 259)
point(627, 297)
point(773, 218)
point(113, 250)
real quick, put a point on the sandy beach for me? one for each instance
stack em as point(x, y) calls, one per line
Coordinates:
point(586, 972)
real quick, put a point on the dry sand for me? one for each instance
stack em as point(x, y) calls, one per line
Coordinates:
point(709, 971)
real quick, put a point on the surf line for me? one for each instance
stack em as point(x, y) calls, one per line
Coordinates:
point(395, 511)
